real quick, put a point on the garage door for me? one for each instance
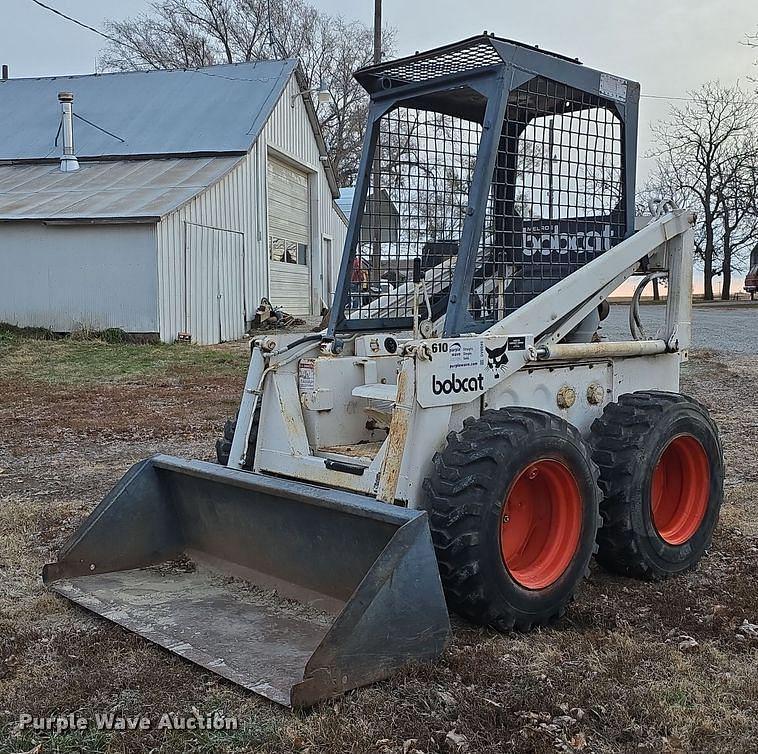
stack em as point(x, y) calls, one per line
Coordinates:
point(289, 236)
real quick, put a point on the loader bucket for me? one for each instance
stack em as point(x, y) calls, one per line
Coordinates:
point(295, 592)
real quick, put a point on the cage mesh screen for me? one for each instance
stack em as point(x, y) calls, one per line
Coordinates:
point(457, 60)
point(556, 199)
point(414, 210)
point(555, 202)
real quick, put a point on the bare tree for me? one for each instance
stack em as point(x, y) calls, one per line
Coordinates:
point(751, 40)
point(196, 33)
point(736, 194)
point(707, 157)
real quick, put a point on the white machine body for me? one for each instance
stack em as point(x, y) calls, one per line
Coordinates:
point(367, 415)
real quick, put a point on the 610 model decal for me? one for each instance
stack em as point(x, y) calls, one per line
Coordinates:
point(462, 369)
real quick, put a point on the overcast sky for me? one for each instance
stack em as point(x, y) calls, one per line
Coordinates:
point(669, 47)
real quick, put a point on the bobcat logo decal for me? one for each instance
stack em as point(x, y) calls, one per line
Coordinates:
point(496, 359)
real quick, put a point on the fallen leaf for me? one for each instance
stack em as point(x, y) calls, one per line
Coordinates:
point(673, 745)
point(447, 698)
point(456, 741)
point(578, 741)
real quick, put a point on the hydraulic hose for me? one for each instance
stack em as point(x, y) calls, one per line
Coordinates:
point(635, 322)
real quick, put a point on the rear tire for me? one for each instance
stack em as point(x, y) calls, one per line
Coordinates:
point(513, 503)
point(662, 474)
point(224, 443)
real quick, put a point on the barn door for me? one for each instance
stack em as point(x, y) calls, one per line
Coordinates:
point(214, 301)
point(231, 298)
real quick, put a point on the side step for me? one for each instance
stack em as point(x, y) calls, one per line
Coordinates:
point(295, 592)
point(378, 391)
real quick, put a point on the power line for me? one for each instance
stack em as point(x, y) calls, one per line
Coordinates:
point(99, 128)
point(76, 21)
point(123, 43)
point(693, 99)
point(261, 79)
point(664, 97)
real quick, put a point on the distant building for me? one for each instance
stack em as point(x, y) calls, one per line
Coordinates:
point(380, 215)
point(751, 280)
point(197, 193)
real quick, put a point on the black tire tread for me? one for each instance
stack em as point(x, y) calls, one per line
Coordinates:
point(224, 443)
point(456, 499)
point(618, 438)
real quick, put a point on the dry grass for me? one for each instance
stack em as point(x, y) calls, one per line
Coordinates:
point(611, 677)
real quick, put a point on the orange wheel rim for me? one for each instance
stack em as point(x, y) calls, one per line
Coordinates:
point(541, 523)
point(680, 489)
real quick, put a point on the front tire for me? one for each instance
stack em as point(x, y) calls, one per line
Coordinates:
point(662, 474)
point(514, 510)
point(224, 443)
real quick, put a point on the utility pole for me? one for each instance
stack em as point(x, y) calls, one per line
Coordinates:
point(377, 32)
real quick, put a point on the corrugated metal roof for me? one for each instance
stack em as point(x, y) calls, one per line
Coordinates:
point(110, 190)
point(220, 109)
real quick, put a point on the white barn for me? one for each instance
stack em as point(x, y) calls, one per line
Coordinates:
point(198, 193)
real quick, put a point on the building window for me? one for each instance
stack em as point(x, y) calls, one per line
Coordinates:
point(284, 250)
point(291, 252)
point(276, 249)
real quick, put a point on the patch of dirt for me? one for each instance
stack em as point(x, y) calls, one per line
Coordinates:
point(661, 667)
point(271, 601)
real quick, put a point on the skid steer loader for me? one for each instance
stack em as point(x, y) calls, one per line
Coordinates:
point(466, 437)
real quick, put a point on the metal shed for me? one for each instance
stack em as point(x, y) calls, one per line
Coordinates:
point(170, 223)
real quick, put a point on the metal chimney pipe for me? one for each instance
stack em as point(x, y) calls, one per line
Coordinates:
point(5, 72)
point(69, 163)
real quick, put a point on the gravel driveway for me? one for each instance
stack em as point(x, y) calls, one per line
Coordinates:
point(729, 328)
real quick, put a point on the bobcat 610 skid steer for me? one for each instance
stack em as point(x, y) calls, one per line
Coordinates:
point(467, 437)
